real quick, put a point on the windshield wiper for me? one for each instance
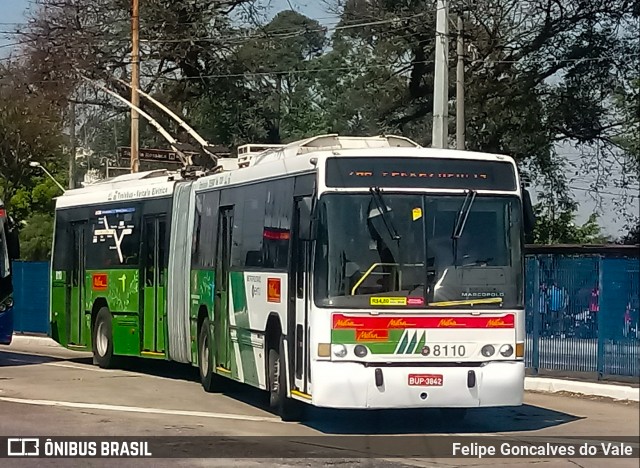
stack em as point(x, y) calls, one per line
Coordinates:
point(463, 214)
point(461, 221)
point(382, 208)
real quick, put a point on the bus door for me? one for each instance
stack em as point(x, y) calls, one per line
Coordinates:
point(221, 339)
point(153, 284)
point(76, 286)
point(299, 296)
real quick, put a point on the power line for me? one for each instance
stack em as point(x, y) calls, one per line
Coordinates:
point(286, 33)
point(601, 192)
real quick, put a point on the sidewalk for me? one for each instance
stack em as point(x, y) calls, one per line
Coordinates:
point(597, 389)
point(615, 391)
point(33, 339)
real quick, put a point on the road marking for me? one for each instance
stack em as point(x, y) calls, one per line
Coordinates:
point(58, 364)
point(71, 366)
point(135, 409)
point(18, 360)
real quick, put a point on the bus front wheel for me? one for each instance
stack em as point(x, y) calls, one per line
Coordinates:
point(287, 408)
point(103, 340)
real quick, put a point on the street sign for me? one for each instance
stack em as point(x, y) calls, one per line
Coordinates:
point(158, 155)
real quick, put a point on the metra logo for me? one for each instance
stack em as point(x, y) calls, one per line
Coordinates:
point(446, 323)
point(399, 323)
point(497, 323)
point(347, 323)
point(99, 281)
point(372, 335)
point(273, 290)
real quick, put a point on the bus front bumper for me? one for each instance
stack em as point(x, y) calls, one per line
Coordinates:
point(352, 385)
point(6, 326)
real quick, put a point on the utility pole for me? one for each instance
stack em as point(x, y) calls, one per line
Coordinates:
point(72, 154)
point(460, 143)
point(135, 83)
point(441, 77)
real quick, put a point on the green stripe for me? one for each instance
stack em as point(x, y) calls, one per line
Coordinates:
point(403, 344)
point(241, 315)
point(236, 279)
point(412, 343)
point(418, 348)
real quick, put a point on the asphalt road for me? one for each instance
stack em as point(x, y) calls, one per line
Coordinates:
point(46, 390)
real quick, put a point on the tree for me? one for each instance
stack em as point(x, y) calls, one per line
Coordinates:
point(633, 236)
point(560, 228)
point(539, 73)
point(36, 237)
point(30, 130)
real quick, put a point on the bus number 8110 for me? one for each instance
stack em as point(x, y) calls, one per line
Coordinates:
point(445, 351)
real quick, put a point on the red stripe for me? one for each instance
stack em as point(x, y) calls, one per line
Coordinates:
point(341, 321)
point(275, 235)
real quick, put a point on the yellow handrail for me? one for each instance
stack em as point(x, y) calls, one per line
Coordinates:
point(367, 273)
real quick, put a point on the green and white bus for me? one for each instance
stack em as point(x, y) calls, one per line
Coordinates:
point(339, 272)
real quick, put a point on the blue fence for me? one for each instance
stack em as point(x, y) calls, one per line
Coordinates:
point(31, 296)
point(582, 312)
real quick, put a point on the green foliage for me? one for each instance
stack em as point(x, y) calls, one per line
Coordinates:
point(30, 130)
point(560, 228)
point(36, 237)
point(633, 236)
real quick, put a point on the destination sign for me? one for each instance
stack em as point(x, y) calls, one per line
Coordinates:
point(444, 173)
point(148, 154)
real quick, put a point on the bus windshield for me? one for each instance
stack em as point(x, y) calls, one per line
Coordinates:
point(4, 252)
point(414, 250)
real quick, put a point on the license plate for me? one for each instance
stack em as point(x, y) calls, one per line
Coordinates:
point(425, 380)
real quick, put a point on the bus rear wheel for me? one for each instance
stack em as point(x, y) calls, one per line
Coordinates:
point(103, 339)
point(288, 408)
point(205, 359)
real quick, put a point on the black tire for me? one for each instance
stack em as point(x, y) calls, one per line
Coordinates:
point(288, 408)
point(205, 358)
point(453, 414)
point(102, 340)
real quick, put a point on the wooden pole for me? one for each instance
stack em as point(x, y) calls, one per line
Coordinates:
point(135, 83)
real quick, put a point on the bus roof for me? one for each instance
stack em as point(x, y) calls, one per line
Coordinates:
point(259, 162)
point(140, 185)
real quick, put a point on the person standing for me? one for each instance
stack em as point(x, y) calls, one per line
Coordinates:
point(557, 308)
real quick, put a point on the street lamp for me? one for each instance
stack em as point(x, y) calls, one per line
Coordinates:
point(37, 164)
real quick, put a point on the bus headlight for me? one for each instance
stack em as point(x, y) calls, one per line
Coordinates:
point(9, 303)
point(488, 350)
point(339, 350)
point(3, 307)
point(360, 351)
point(506, 350)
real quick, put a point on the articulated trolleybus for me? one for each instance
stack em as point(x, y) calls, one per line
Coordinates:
point(336, 271)
point(9, 250)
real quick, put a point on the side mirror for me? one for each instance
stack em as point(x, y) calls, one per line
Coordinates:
point(528, 214)
point(306, 221)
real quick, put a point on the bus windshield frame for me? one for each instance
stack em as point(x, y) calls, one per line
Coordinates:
point(407, 250)
point(5, 261)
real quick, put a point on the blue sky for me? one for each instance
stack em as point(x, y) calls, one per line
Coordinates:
point(13, 11)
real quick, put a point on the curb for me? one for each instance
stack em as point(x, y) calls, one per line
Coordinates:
point(41, 340)
point(535, 384)
point(616, 392)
